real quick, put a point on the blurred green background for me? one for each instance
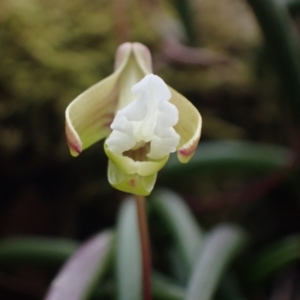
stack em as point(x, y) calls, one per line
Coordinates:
point(213, 52)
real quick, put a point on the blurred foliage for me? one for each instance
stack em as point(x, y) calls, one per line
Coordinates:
point(229, 28)
point(51, 51)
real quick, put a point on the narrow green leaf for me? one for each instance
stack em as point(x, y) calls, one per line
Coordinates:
point(88, 264)
point(229, 288)
point(128, 260)
point(231, 155)
point(178, 265)
point(281, 36)
point(293, 6)
point(220, 246)
point(164, 288)
point(185, 12)
point(274, 258)
point(178, 218)
point(36, 251)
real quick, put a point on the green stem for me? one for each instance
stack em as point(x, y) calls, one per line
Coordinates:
point(145, 246)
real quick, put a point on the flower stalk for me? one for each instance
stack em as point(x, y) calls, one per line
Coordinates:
point(145, 246)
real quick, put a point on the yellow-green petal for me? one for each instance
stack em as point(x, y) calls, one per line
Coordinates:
point(130, 183)
point(129, 166)
point(143, 57)
point(188, 127)
point(89, 116)
point(137, 67)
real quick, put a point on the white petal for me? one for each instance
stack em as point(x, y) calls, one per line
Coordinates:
point(118, 142)
point(149, 118)
point(153, 88)
point(121, 124)
point(167, 116)
point(122, 138)
point(135, 111)
point(165, 141)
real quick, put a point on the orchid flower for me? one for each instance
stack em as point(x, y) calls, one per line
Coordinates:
point(142, 119)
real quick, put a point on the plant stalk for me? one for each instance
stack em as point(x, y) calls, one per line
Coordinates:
point(145, 246)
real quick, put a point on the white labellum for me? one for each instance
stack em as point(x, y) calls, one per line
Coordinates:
point(148, 119)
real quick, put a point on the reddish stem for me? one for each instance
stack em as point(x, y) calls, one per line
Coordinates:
point(145, 246)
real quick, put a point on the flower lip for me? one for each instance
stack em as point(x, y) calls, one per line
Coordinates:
point(130, 166)
point(148, 119)
point(132, 183)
